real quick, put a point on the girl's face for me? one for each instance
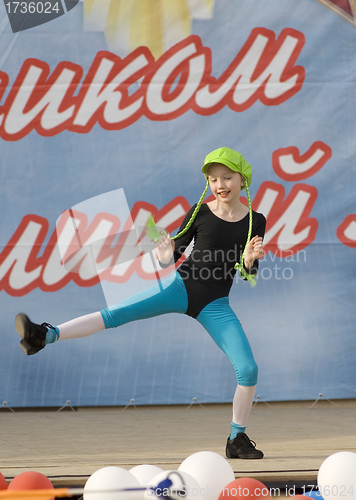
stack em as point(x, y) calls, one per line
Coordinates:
point(225, 184)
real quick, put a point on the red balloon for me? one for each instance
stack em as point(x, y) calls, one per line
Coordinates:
point(3, 483)
point(245, 488)
point(31, 480)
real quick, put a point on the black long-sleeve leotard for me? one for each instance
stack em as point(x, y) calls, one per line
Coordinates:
point(208, 272)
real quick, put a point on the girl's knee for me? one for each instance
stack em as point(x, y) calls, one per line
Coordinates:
point(107, 318)
point(247, 374)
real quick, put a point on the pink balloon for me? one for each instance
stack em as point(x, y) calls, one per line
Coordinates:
point(31, 480)
point(245, 488)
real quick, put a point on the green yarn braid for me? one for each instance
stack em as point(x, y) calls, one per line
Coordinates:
point(240, 265)
point(191, 220)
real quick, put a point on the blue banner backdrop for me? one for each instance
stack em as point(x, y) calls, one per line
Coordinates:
point(110, 96)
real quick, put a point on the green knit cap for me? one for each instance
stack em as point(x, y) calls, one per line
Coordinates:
point(231, 159)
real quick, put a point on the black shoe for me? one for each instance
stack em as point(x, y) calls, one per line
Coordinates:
point(242, 447)
point(33, 335)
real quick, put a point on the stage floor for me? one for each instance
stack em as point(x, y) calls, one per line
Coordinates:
point(68, 446)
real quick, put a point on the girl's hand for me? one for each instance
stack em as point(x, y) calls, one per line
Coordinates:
point(254, 250)
point(165, 249)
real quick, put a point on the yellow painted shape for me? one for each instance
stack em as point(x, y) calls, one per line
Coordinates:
point(177, 16)
point(146, 26)
point(87, 7)
point(113, 20)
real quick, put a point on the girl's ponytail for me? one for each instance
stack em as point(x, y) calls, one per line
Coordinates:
point(239, 266)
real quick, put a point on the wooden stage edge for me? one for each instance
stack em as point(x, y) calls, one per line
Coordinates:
point(68, 446)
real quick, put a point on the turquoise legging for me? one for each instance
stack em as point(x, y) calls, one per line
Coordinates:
point(217, 318)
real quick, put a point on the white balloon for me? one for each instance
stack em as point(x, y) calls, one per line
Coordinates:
point(107, 483)
point(190, 489)
point(212, 472)
point(337, 476)
point(145, 472)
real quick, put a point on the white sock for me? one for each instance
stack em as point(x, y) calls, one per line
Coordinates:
point(81, 327)
point(242, 404)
